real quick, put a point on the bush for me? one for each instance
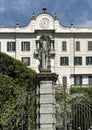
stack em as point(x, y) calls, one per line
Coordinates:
point(16, 84)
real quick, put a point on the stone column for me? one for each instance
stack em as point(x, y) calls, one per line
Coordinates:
point(46, 101)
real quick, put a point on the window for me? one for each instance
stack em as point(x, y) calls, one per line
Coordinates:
point(77, 60)
point(64, 80)
point(25, 46)
point(10, 46)
point(26, 60)
point(88, 60)
point(64, 61)
point(77, 46)
point(89, 80)
point(78, 80)
point(89, 45)
point(64, 46)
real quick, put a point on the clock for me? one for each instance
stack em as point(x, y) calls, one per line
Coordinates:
point(44, 23)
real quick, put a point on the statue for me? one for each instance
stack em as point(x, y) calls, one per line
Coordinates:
point(43, 48)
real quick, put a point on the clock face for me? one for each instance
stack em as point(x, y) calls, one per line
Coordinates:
point(44, 23)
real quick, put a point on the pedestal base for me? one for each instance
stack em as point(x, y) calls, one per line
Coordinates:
point(46, 101)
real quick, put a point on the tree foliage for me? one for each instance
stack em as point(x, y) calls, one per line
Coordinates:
point(17, 94)
point(87, 90)
point(63, 101)
point(68, 103)
point(17, 70)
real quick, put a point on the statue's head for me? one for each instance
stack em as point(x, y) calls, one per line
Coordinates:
point(45, 38)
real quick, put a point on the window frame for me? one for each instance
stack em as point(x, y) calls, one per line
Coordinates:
point(89, 45)
point(25, 46)
point(11, 46)
point(77, 60)
point(64, 46)
point(88, 60)
point(64, 61)
point(64, 80)
point(77, 80)
point(27, 58)
point(77, 46)
point(90, 80)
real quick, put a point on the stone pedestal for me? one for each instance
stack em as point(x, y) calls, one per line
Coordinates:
point(46, 101)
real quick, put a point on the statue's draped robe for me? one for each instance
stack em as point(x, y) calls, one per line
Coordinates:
point(44, 53)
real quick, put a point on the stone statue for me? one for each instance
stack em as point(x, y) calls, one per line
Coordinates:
point(43, 47)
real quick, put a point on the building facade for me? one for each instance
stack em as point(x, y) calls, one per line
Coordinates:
point(71, 47)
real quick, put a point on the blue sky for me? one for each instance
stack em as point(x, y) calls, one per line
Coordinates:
point(80, 11)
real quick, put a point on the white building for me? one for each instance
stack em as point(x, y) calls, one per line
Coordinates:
point(71, 48)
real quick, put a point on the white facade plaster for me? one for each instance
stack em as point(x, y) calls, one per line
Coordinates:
point(46, 24)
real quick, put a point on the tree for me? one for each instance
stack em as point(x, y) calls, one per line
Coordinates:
point(17, 94)
point(81, 107)
point(63, 102)
point(74, 107)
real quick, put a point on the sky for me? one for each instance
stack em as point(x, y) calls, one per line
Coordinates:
point(80, 11)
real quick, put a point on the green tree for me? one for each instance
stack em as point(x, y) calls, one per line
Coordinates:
point(72, 106)
point(17, 94)
point(63, 102)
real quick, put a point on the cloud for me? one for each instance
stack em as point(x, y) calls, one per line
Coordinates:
point(66, 10)
point(25, 6)
point(3, 6)
point(84, 19)
point(89, 3)
point(84, 15)
point(87, 23)
point(2, 9)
